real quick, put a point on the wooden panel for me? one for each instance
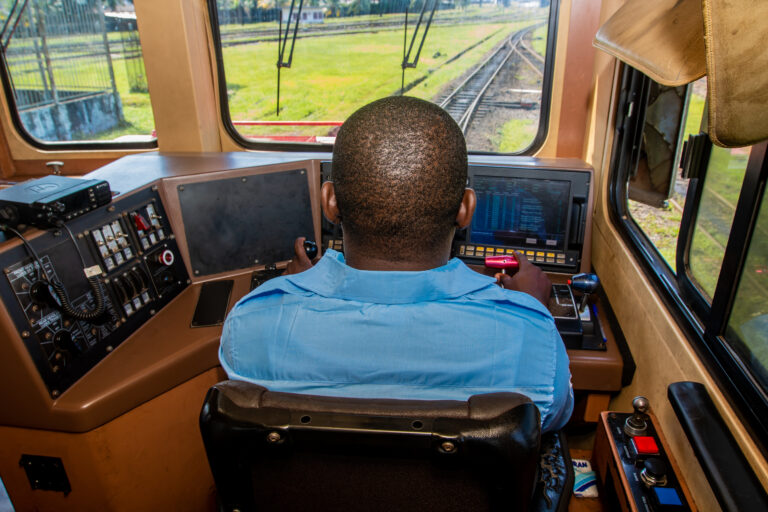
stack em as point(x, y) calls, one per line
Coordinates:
point(584, 21)
point(151, 458)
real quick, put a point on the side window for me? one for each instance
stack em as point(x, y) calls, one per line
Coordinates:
point(74, 71)
point(748, 324)
point(660, 165)
point(696, 219)
point(717, 206)
point(659, 219)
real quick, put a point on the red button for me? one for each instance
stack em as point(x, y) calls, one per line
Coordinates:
point(645, 445)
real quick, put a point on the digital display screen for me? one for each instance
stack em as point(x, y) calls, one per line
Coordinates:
point(520, 212)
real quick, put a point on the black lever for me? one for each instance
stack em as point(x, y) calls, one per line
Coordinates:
point(310, 248)
point(586, 284)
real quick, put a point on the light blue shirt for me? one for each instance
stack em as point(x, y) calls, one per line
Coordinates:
point(441, 334)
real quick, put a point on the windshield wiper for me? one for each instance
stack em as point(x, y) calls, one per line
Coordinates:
point(407, 62)
point(282, 43)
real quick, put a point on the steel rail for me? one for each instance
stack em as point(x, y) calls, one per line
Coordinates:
point(464, 100)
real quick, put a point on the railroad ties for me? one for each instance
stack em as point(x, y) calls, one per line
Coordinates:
point(468, 100)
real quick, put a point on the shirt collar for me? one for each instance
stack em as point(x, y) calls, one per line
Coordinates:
point(332, 277)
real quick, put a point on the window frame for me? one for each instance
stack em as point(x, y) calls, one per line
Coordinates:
point(704, 324)
point(229, 127)
point(5, 78)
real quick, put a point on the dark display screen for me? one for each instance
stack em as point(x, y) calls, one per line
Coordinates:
point(520, 212)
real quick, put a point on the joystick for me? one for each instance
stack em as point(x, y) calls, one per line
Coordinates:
point(503, 262)
point(637, 423)
point(311, 249)
point(586, 284)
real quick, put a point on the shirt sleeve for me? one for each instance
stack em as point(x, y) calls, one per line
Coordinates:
point(562, 398)
point(227, 349)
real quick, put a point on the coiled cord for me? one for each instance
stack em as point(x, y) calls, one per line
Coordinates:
point(58, 287)
point(69, 310)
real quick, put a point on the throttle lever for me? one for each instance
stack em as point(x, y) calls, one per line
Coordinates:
point(586, 284)
point(503, 262)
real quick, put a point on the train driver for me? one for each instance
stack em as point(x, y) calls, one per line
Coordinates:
point(394, 317)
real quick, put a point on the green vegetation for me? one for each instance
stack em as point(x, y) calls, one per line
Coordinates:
point(661, 225)
point(137, 109)
point(722, 186)
point(332, 76)
point(695, 113)
point(539, 40)
point(515, 135)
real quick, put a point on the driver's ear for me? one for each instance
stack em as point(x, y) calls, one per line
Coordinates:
point(467, 208)
point(328, 202)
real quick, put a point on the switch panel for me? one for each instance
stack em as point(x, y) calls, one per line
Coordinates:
point(129, 245)
point(637, 472)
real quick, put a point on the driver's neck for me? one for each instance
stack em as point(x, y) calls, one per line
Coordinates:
point(361, 259)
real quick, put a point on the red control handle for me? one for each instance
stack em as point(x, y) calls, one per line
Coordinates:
point(502, 262)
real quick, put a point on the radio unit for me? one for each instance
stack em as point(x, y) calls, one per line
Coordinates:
point(49, 201)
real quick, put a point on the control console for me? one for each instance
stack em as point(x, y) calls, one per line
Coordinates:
point(634, 465)
point(79, 290)
point(540, 213)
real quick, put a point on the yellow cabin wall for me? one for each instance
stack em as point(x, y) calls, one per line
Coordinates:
point(660, 349)
point(181, 73)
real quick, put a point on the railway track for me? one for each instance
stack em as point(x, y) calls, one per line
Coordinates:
point(467, 98)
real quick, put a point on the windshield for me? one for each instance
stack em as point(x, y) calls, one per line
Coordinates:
point(295, 70)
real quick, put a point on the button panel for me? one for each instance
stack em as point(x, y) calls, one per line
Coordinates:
point(549, 258)
point(653, 483)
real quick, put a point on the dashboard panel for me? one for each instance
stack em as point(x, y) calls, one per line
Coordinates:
point(176, 224)
point(133, 247)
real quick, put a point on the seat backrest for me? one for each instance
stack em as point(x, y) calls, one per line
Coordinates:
point(283, 451)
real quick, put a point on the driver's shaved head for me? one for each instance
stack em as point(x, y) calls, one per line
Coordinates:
point(399, 172)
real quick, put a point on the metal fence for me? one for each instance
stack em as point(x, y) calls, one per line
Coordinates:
point(57, 52)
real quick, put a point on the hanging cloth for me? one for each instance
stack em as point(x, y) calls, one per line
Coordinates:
point(675, 42)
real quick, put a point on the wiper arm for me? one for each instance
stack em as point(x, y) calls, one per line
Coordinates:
point(282, 43)
point(407, 62)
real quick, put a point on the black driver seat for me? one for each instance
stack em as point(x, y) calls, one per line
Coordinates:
point(282, 451)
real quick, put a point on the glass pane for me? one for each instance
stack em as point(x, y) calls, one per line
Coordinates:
point(347, 54)
point(748, 324)
point(661, 224)
point(77, 70)
point(719, 196)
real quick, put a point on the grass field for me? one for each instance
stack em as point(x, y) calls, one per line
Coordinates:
point(539, 40)
point(515, 135)
point(333, 76)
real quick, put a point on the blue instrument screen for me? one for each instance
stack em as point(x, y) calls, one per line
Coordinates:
point(521, 212)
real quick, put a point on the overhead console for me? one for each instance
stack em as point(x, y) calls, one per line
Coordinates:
point(130, 252)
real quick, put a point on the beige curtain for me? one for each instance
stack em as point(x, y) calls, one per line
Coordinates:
point(678, 41)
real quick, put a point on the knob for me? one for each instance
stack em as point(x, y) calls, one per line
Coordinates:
point(654, 472)
point(64, 341)
point(40, 292)
point(310, 248)
point(637, 423)
point(586, 284)
point(167, 258)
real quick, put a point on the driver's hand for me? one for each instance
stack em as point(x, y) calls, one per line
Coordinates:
point(528, 279)
point(300, 261)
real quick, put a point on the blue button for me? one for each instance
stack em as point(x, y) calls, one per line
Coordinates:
point(667, 496)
